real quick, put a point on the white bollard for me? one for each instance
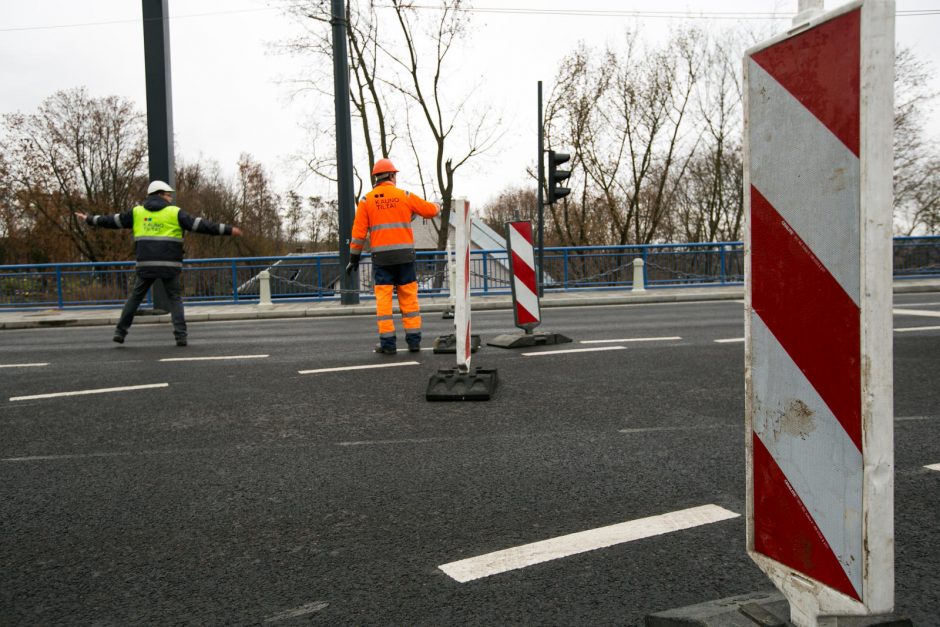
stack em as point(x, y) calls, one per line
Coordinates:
point(638, 283)
point(264, 283)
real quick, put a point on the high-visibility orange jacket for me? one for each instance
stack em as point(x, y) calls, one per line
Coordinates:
point(384, 216)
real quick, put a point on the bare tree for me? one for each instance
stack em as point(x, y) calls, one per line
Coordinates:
point(916, 160)
point(399, 82)
point(365, 90)
point(516, 203)
point(425, 87)
point(77, 153)
point(628, 118)
point(258, 209)
point(710, 201)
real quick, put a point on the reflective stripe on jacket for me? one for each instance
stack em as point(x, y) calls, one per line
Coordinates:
point(384, 216)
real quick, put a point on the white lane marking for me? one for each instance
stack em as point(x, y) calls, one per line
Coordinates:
point(575, 350)
point(43, 458)
point(633, 339)
point(303, 610)
point(36, 365)
point(933, 467)
point(583, 541)
point(689, 428)
point(916, 312)
point(98, 391)
point(370, 366)
point(383, 442)
point(217, 358)
point(730, 340)
point(912, 329)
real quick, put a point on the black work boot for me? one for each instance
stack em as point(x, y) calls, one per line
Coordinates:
point(118, 338)
point(414, 342)
point(181, 341)
point(386, 349)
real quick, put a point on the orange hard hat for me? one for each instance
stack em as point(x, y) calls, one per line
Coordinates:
point(382, 166)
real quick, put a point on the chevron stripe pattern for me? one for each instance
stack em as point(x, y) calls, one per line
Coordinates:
point(525, 287)
point(805, 347)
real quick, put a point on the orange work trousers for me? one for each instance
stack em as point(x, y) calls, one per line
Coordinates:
point(388, 280)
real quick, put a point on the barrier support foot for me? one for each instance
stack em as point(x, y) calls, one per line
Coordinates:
point(453, 384)
point(522, 340)
point(448, 344)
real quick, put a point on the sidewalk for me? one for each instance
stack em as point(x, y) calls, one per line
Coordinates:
point(288, 309)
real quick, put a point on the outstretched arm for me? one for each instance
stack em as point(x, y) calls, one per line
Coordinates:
point(116, 221)
point(206, 226)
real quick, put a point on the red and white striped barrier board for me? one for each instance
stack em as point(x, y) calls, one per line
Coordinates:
point(818, 178)
point(525, 291)
point(462, 336)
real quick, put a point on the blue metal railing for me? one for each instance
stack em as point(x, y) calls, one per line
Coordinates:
point(317, 276)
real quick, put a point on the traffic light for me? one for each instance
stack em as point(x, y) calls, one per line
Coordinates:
point(556, 177)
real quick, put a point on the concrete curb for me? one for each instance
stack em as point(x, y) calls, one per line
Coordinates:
point(210, 313)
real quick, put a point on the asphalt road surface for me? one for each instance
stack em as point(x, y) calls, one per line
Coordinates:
point(240, 491)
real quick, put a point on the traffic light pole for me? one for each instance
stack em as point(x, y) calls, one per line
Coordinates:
point(159, 110)
point(344, 169)
point(541, 200)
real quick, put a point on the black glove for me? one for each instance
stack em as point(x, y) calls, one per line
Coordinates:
point(353, 264)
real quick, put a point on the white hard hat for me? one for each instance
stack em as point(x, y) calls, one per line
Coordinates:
point(159, 186)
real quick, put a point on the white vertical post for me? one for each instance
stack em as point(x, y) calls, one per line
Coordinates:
point(264, 283)
point(638, 284)
point(461, 288)
point(807, 10)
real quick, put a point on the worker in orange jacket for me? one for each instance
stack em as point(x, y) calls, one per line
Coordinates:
point(384, 215)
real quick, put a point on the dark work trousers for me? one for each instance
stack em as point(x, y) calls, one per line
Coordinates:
point(173, 292)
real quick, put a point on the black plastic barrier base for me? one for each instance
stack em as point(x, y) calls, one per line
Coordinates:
point(758, 609)
point(448, 344)
point(479, 384)
point(448, 313)
point(522, 340)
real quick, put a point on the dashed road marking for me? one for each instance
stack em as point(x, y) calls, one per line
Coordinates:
point(216, 358)
point(730, 340)
point(933, 467)
point(583, 541)
point(127, 388)
point(36, 365)
point(680, 428)
point(370, 366)
point(913, 329)
point(575, 350)
point(916, 312)
point(634, 339)
point(303, 610)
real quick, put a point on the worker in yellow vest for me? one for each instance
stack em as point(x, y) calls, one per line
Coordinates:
point(158, 242)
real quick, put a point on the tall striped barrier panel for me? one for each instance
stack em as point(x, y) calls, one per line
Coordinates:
point(462, 383)
point(459, 288)
point(818, 351)
point(525, 292)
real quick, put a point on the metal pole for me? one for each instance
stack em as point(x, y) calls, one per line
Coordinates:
point(159, 108)
point(344, 168)
point(159, 93)
point(541, 200)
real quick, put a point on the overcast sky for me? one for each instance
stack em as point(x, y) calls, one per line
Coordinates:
point(231, 93)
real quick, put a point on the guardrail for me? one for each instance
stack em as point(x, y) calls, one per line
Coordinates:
point(317, 276)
